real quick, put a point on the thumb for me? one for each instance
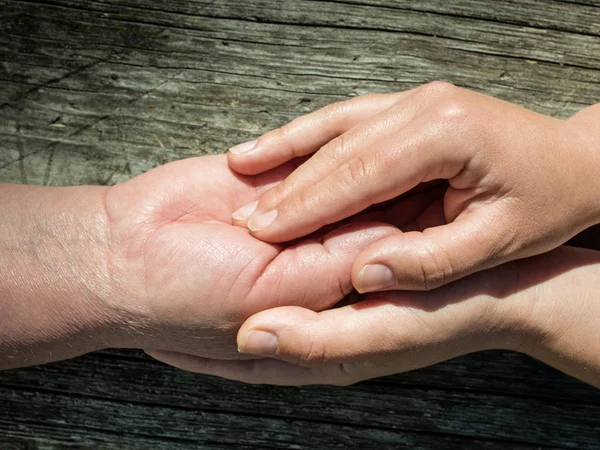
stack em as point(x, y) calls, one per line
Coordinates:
point(429, 259)
point(386, 333)
point(341, 335)
point(306, 338)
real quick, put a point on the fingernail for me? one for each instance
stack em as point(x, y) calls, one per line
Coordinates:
point(374, 277)
point(246, 147)
point(260, 343)
point(262, 221)
point(245, 211)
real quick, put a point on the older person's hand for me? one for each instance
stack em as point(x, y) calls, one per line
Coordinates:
point(520, 183)
point(189, 278)
point(157, 263)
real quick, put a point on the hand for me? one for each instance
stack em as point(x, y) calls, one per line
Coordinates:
point(526, 305)
point(520, 183)
point(185, 278)
point(156, 262)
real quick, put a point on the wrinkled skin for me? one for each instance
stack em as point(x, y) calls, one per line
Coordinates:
point(185, 278)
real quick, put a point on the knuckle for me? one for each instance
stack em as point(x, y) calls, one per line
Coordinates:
point(285, 137)
point(314, 354)
point(453, 110)
point(448, 103)
point(333, 110)
point(436, 268)
point(303, 202)
point(438, 89)
point(334, 150)
point(277, 134)
point(286, 132)
point(354, 172)
point(330, 117)
point(347, 374)
point(337, 374)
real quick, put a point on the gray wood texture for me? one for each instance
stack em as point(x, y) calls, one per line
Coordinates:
point(98, 91)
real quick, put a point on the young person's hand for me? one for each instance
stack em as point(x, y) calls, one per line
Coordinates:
point(520, 183)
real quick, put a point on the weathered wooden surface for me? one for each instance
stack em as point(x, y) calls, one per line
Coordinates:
point(99, 91)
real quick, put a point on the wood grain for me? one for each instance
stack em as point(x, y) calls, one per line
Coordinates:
point(99, 91)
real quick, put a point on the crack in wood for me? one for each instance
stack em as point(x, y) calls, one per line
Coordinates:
point(196, 75)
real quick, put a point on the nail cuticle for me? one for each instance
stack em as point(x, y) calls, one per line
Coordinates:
point(245, 211)
point(245, 147)
point(375, 277)
point(262, 221)
point(259, 342)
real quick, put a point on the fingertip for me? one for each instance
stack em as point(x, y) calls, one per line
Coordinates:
point(243, 148)
point(364, 258)
point(276, 318)
point(261, 221)
point(255, 157)
point(422, 261)
point(376, 267)
point(242, 214)
point(375, 277)
point(262, 334)
point(245, 164)
point(271, 236)
point(258, 343)
point(277, 222)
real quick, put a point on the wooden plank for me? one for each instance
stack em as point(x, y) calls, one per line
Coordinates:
point(487, 405)
point(83, 420)
point(99, 91)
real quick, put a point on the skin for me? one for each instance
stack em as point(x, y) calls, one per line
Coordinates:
point(155, 263)
point(547, 306)
point(514, 180)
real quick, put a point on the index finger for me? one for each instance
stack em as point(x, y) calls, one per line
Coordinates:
point(419, 152)
point(306, 134)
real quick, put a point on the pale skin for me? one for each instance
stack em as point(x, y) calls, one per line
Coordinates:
point(159, 263)
point(547, 306)
point(154, 263)
point(520, 183)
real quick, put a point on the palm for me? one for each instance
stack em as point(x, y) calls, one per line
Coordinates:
point(195, 277)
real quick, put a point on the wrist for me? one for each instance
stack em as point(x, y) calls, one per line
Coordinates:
point(516, 311)
point(500, 317)
point(556, 323)
point(586, 141)
point(56, 282)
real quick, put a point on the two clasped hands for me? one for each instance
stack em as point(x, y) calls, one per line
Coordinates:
point(374, 236)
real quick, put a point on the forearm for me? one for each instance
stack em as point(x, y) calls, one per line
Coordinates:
point(562, 326)
point(53, 277)
point(567, 312)
point(587, 125)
